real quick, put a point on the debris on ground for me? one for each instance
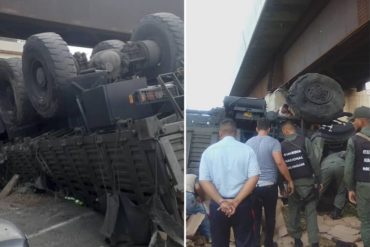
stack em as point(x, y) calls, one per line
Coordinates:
point(344, 231)
point(25, 188)
point(197, 241)
point(9, 186)
point(193, 223)
point(345, 234)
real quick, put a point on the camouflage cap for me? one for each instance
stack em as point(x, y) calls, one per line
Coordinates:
point(362, 112)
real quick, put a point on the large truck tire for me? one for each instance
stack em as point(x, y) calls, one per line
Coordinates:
point(167, 30)
point(15, 107)
point(335, 132)
point(108, 44)
point(80, 61)
point(316, 98)
point(47, 66)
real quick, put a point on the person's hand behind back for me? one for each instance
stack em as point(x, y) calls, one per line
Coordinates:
point(227, 207)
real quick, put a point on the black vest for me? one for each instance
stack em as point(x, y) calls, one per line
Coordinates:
point(333, 147)
point(294, 153)
point(362, 159)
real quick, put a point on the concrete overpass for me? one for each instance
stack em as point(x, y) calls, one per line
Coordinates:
point(293, 37)
point(79, 22)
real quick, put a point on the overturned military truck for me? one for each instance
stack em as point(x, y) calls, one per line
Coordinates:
point(107, 131)
point(313, 101)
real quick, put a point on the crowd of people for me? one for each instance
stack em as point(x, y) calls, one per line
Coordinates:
point(241, 179)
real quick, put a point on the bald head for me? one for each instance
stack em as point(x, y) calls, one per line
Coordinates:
point(288, 128)
point(227, 128)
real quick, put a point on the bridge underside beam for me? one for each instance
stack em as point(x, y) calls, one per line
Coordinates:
point(80, 23)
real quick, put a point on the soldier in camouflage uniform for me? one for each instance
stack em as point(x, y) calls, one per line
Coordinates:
point(357, 171)
point(302, 164)
point(331, 171)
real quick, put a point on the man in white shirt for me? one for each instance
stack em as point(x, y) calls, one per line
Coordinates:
point(228, 173)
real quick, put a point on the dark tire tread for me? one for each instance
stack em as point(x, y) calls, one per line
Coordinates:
point(60, 54)
point(61, 67)
point(169, 27)
point(311, 111)
point(176, 26)
point(108, 44)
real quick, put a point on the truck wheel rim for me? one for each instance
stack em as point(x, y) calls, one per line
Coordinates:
point(318, 94)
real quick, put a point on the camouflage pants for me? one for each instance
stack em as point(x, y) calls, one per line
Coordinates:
point(363, 211)
point(334, 174)
point(303, 197)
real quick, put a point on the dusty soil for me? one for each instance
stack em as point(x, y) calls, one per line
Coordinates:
point(346, 229)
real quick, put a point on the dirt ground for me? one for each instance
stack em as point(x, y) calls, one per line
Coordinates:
point(346, 229)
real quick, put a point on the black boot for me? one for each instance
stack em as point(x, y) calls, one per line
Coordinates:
point(336, 213)
point(315, 245)
point(298, 242)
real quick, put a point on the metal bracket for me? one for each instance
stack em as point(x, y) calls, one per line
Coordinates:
point(176, 106)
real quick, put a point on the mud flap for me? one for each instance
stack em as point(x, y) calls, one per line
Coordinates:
point(166, 222)
point(126, 221)
point(156, 241)
point(139, 223)
point(159, 240)
point(115, 222)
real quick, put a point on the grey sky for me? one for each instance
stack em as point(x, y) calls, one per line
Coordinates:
point(74, 49)
point(217, 36)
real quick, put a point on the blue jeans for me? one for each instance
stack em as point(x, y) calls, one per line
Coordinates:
point(193, 207)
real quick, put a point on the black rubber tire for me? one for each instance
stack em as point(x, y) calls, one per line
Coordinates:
point(108, 44)
point(80, 61)
point(316, 98)
point(15, 107)
point(334, 132)
point(49, 53)
point(167, 30)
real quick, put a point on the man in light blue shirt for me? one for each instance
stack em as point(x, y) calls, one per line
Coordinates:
point(228, 173)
